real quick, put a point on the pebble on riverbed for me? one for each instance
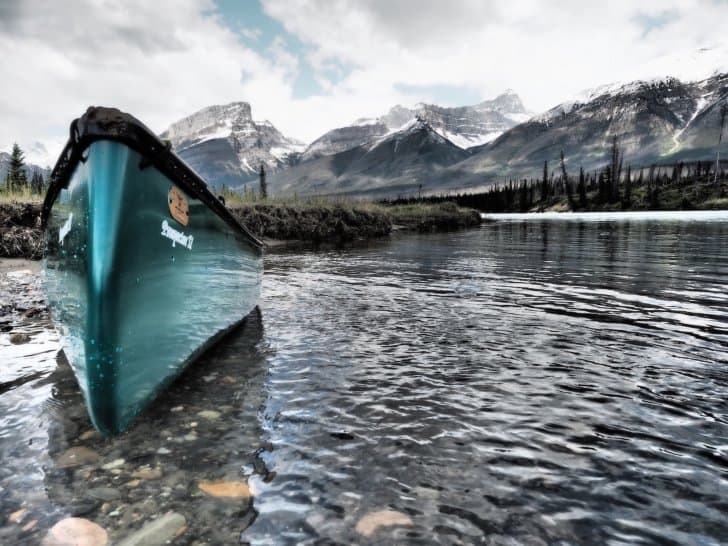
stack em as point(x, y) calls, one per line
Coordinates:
point(76, 532)
point(210, 415)
point(228, 490)
point(158, 532)
point(77, 456)
point(147, 473)
point(19, 338)
point(370, 523)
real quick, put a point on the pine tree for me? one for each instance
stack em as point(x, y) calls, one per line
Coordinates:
point(604, 178)
point(582, 189)
point(263, 184)
point(627, 201)
point(17, 179)
point(615, 172)
point(545, 181)
point(567, 183)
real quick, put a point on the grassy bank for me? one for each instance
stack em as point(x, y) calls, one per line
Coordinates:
point(310, 220)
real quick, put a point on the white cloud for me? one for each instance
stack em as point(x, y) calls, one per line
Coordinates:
point(158, 63)
point(546, 51)
point(163, 60)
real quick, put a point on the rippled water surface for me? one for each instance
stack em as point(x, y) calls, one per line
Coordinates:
point(533, 381)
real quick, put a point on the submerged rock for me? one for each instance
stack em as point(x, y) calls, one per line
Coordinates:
point(77, 456)
point(116, 463)
point(369, 524)
point(89, 434)
point(19, 338)
point(223, 489)
point(157, 532)
point(17, 516)
point(211, 415)
point(76, 532)
point(147, 473)
point(104, 493)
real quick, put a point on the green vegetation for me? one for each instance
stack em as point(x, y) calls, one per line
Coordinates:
point(682, 186)
point(320, 219)
point(432, 216)
point(17, 187)
point(25, 195)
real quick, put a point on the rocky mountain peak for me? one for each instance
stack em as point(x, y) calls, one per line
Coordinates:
point(227, 146)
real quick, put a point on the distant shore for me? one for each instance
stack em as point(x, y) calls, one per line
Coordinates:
point(306, 221)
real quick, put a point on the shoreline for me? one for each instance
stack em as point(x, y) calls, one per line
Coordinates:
point(276, 223)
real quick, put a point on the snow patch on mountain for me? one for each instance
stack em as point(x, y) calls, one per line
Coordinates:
point(227, 137)
point(464, 126)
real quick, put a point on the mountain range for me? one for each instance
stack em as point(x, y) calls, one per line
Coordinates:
point(662, 120)
point(433, 148)
point(464, 126)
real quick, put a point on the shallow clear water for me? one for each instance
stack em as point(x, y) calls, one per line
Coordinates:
point(533, 381)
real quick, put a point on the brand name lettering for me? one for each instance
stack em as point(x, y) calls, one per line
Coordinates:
point(176, 236)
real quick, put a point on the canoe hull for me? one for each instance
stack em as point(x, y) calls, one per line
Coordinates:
point(137, 289)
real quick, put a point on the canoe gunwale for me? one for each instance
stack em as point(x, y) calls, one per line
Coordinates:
point(100, 123)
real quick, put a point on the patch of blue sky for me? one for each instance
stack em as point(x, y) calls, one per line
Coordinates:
point(258, 31)
point(650, 22)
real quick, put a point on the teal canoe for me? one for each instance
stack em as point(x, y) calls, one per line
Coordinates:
point(144, 268)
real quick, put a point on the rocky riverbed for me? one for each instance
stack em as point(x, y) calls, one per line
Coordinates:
point(173, 476)
point(187, 473)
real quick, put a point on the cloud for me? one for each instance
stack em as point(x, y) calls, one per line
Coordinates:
point(159, 61)
point(163, 60)
point(546, 51)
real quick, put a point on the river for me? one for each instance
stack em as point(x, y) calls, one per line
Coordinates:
point(542, 379)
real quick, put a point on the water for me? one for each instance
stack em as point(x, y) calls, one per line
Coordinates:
point(534, 381)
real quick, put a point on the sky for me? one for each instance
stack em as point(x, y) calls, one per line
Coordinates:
point(311, 65)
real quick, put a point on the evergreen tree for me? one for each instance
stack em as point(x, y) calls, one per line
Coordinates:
point(17, 179)
point(567, 183)
point(604, 178)
point(545, 181)
point(37, 183)
point(523, 197)
point(582, 189)
point(263, 184)
point(627, 201)
point(615, 172)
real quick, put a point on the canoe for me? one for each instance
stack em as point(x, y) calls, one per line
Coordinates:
point(144, 268)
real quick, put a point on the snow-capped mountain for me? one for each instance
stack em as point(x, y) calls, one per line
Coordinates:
point(226, 146)
point(464, 126)
point(345, 138)
point(413, 152)
point(655, 121)
point(659, 120)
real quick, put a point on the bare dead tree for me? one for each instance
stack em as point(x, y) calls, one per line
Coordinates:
point(723, 112)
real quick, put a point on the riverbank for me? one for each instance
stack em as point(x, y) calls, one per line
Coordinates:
point(20, 233)
point(307, 221)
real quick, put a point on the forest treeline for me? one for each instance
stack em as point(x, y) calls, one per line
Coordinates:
point(679, 186)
